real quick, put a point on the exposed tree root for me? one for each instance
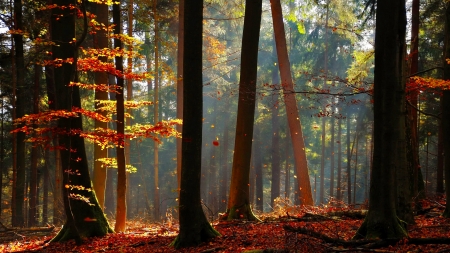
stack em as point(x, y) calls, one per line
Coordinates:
point(366, 244)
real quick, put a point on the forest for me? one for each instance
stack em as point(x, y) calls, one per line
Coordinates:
point(224, 126)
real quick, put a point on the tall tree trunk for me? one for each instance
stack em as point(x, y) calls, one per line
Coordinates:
point(100, 169)
point(322, 165)
point(291, 105)
point(238, 201)
point(333, 120)
point(156, 117)
point(322, 159)
point(121, 206)
point(275, 186)
point(194, 227)
point(32, 208)
point(223, 182)
point(45, 183)
point(259, 191)
point(412, 112)
point(445, 118)
point(58, 214)
point(18, 219)
point(287, 179)
point(339, 168)
point(85, 218)
point(129, 119)
point(180, 53)
point(389, 99)
point(349, 159)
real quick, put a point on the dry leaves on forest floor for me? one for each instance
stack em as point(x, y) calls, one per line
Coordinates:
point(240, 236)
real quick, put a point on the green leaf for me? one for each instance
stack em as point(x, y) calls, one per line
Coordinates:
point(301, 27)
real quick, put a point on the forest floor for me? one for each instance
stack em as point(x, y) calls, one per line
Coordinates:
point(288, 229)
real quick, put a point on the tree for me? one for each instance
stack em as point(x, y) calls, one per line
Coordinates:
point(445, 119)
point(100, 42)
point(291, 105)
point(238, 201)
point(121, 207)
point(18, 218)
point(194, 227)
point(85, 217)
point(180, 53)
point(389, 96)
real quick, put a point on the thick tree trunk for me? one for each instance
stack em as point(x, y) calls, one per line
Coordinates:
point(389, 94)
point(445, 118)
point(194, 227)
point(291, 105)
point(238, 201)
point(84, 215)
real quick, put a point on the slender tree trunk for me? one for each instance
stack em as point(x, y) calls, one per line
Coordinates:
point(322, 159)
point(45, 184)
point(238, 202)
point(291, 105)
point(156, 117)
point(275, 186)
point(332, 157)
point(180, 53)
point(224, 178)
point(412, 112)
point(356, 167)
point(18, 219)
point(257, 161)
point(121, 207)
point(349, 159)
point(100, 41)
point(129, 119)
point(339, 168)
point(287, 179)
point(322, 165)
point(32, 209)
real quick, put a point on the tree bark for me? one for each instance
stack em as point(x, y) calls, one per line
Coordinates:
point(298, 144)
point(18, 218)
point(445, 118)
point(180, 53)
point(85, 218)
point(156, 118)
point(238, 201)
point(121, 205)
point(389, 96)
point(194, 227)
point(100, 41)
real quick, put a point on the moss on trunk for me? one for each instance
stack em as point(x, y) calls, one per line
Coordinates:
point(243, 212)
point(84, 220)
point(376, 227)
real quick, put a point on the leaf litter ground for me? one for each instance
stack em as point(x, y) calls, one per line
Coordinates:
point(288, 229)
